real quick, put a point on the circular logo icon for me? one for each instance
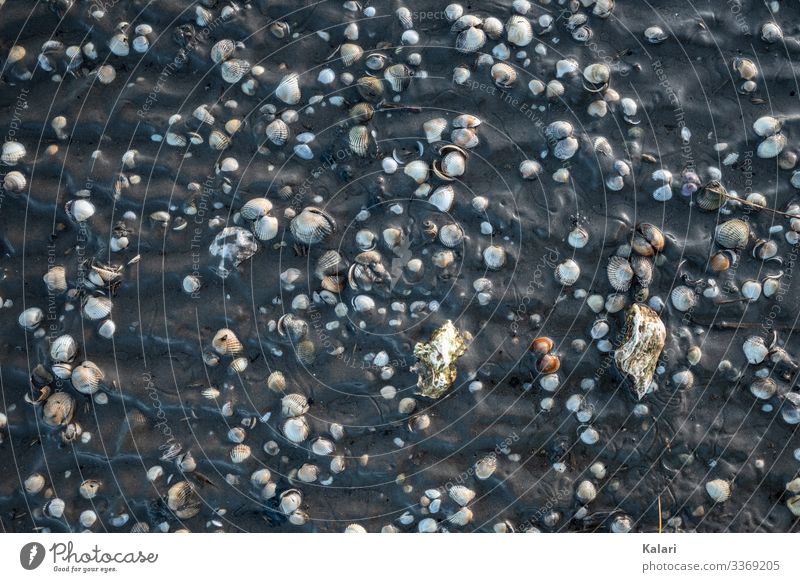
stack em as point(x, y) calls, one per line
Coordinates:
point(31, 555)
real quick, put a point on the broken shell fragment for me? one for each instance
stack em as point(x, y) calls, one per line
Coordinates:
point(436, 360)
point(645, 336)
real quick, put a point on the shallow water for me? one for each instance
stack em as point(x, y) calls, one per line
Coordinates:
point(154, 367)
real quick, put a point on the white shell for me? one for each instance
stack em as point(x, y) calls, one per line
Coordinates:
point(296, 429)
point(12, 152)
point(81, 210)
point(31, 318)
point(494, 257)
point(719, 490)
point(755, 350)
point(567, 272)
point(63, 348)
point(766, 126)
point(97, 307)
point(519, 31)
point(683, 298)
point(288, 90)
point(442, 198)
point(266, 228)
point(86, 377)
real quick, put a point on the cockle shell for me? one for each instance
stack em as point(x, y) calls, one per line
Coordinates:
point(436, 360)
point(312, 225)
point(288, 90)
point(645, 336)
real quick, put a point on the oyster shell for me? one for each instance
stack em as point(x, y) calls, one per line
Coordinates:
point(638, 355)
point(436, 360)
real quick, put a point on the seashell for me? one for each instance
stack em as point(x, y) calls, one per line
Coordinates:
point(276, 382)
point(494, 257)
point(89, 488)
point(470, 40)
point(296, 429)
point(567, 272)
point(350, 53)
point(240, 453)
point(558, 130)
point(597, 73)
point(603, 8)
point(288, 89)
point(183, 501)
point(461, 517)
point(548, 364)
point(290, 501)
point(361, 112)
point(30, 318)
point(620, 273)
point(322, 447)
point(771, 147)
point(655, 35)
point(15, 181)
point(312, 225)
point(719, 490)
point(451, 235)
point(461, 494)
point(277, 132)
point(746, 68)
point(280, 29)
point(417, 170)
point(637, 356)
point(755, 349)
point(12, 152)
point(454, 164)
point(434, 128)
point(647, 240)
point(398, 76)
point(530, 169)
point(255, 208)
point(683, 298)
point(643, 269)
point(294, 405)
point(503, 75)
point(771, 32)
point(359, 140)
point(203, 115)
point(377, 61)
point(443, 259)
point(234, 70)
point(554, 89)
point(566, 148)
point(764, 388)
point(96, 308)
point(266, 228)
point(218, 141)
point(771, 284)
point(711, 196)
point(118, 44)
point(751, 290)
point(566, 67)
point(436, 360)
point(238, 365)
point(733, 234)
point(578, 237)
point(58, 409)
point(766, 126)
point(80, 210)
point(485, 467)
point(465, 138)
point(225, 343)
point(442, 198)
point(62, 370)
point(292, 327)
point(63, 349)
point(519, 31)
point(405, 17)
point(306, 352)
point(222, 50)
point(55, 508)
point(308, 473)
point(370, 88)
point(541, 345)
point(86, 377)
point(34, 484)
